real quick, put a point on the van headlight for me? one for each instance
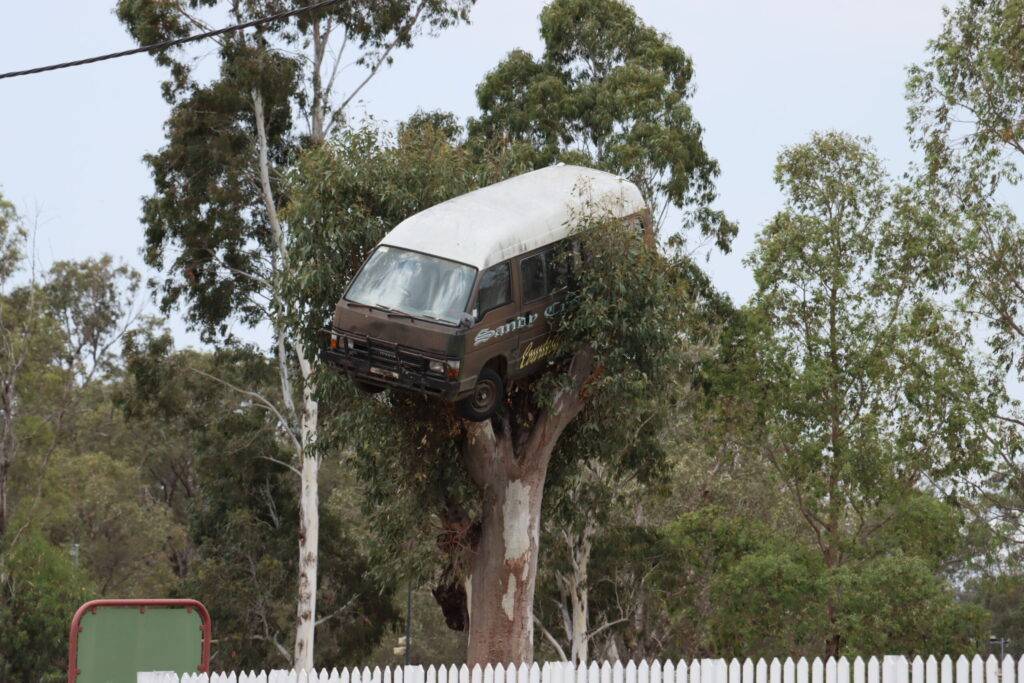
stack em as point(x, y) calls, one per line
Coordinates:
point(448, 368)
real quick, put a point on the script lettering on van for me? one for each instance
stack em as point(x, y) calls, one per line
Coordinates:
point(516, 323)
point(535, 352)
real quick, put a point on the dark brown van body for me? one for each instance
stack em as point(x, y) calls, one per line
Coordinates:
point(389, 349)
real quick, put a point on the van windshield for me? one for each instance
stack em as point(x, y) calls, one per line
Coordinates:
point(416, 284)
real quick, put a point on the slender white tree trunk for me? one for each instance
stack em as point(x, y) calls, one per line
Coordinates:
point(309, 521)
point(303, 419)
point(573, 589)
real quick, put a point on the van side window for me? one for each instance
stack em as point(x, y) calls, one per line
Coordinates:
point(534, 279)
point(495, 288)
point(559, 261)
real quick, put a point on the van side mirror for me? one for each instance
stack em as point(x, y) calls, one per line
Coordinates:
point(468, 319)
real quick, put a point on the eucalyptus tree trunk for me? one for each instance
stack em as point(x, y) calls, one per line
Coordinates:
point(510, 467)
point(574, 589)
point(302, 420)
point(309, 522)
point(7, 442)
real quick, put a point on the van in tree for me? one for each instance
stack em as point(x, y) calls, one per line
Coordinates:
point(456, 300)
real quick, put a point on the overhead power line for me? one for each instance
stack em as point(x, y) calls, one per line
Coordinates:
point(165, 44)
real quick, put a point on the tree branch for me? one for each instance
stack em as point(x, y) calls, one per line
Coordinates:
point(259, 398)
point(551, 639)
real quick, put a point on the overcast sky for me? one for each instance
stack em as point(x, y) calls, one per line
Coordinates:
point(767, 75)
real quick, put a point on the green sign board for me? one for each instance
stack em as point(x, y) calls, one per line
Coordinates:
point(113, 640)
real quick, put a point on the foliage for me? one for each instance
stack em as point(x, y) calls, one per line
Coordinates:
point(867, 388)
point(40, 588)
point(966, 116)
point(100, 507)
point(610, 92)
point(243, 508)
point(208, 229)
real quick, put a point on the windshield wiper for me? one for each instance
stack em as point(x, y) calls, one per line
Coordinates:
point(372, 307)
point(400, 314)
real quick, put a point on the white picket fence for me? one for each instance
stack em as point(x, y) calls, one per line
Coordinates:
point(887, 669)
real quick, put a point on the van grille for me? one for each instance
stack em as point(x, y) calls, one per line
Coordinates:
point(388, 358)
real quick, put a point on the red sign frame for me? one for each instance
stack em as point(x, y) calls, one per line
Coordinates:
point(141, 604)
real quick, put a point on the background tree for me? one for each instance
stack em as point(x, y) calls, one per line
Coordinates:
point(870, 394)
point(213, 224)
point(613, 93)
point(967, 116)
point(16, 325)
point(242, 505)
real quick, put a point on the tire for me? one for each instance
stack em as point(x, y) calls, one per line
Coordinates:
point(366, 387)
point(488, 394)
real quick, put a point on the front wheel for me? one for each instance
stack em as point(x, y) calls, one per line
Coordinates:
point(487, 395)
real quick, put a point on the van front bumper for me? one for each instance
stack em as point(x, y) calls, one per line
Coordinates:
point(385, 364)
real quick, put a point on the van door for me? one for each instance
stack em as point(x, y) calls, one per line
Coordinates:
point(494, 333)
point(542, 280)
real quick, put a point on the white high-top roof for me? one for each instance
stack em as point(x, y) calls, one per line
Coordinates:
point(487, 226)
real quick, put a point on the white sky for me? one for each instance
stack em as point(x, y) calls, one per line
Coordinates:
point(767, 75)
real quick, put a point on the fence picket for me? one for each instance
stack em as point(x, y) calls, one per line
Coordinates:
point(1007, 670)
point(817, 671)
point(761, 671)
point(643, 672)
point(801, 670)
point(977, 669)
point(843, 670)
point(963, 670)
point(902, 670)
point(747, 670)
point(775, 671)
point(721, 671)
point(668, 672)
point(917, 670)
point(991, 669)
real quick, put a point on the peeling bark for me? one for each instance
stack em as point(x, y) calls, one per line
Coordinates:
point(510, 467)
